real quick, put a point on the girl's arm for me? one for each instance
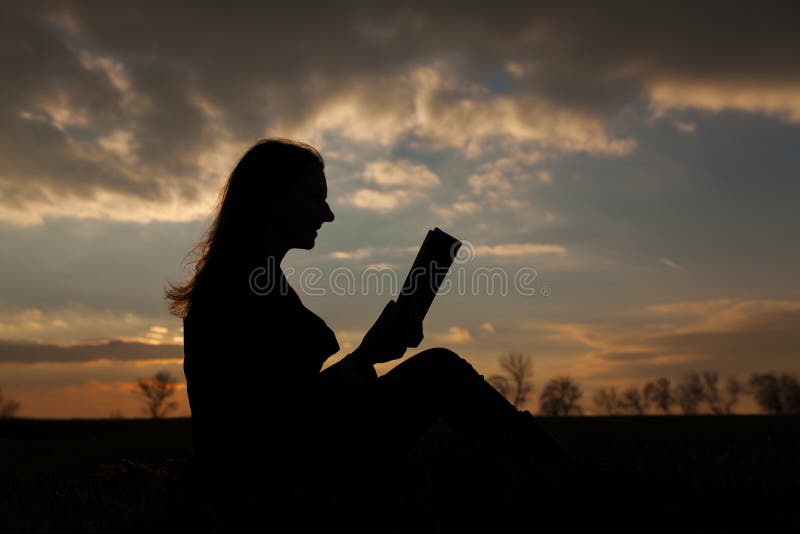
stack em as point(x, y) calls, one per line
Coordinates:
point(354, 369)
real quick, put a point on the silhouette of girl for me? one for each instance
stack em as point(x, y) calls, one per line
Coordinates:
point(254, 354)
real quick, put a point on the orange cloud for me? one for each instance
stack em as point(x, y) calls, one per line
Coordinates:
point(110, 350)
point(455, 334)
point(727, 335)
point(782, 101)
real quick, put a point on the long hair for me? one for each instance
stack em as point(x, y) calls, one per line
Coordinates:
point(260, 180)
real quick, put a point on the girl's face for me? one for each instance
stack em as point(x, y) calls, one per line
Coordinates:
point(305, 209)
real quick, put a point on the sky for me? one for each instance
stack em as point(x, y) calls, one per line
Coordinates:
point(625, 180)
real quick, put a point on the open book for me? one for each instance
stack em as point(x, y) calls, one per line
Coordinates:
point(431, 265)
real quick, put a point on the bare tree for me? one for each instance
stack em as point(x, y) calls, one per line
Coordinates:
point(659, 393)
point(560, 397)
point(690, 393)
point(711, 391)
point(720, 402)
point(516, 385)
point(633, 401)
point(8, 408)
point(156, 392)
point(606, 400)
point(767, 391)
point(776, 393)
point(733, 388)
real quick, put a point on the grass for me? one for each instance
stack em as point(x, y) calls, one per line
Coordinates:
point(687, 472)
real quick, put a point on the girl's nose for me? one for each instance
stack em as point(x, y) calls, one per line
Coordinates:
point(328, 213)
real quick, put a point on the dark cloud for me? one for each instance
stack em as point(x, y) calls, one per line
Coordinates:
point(179, 77)
point(29, 352)
point(631, 356)
point(762, 341)
point(40, 72)
point(765, 341)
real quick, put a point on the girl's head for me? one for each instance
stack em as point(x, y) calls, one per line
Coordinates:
point(273, 201)
point(275, 197)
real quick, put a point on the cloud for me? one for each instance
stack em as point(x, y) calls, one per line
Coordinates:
point(518, 249)
point(379, 266)
point(31, 352)
point(401, 182)
point(400, 173)
point(499, 182)
point(719, 314)
point(685, 127)
point(479, 251)
point(120, 123)
point(358, 254)
point(450, 119)
point(156, 333)
point(65, 324)
point(379, 201)
point(672, 265)
point(455, 334)
point(488, 328)
point(111, 114)
point(456, 209)
point(545, 177)
point(780, 101)
point(368, 252)
point(488, 179)
point(726, 335)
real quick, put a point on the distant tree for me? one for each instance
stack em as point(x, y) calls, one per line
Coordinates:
point(690, 393)
point(766, 388)
point(607, 400)
point(517, 383)
point(633, 401)
point(560, 397)
point(659, 393)
point(720, 402)
point(116, 414)
point(791, 393)
point(8, 408)
point(733, 389)
point(776, 393)
point(155, 392)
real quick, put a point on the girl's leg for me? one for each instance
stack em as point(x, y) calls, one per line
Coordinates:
point(509, 460)
point(439, 384)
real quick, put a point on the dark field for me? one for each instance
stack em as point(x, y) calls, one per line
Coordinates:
point(685, 473)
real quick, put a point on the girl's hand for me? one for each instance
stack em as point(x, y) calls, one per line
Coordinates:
point(391, 334)
point(411, 325)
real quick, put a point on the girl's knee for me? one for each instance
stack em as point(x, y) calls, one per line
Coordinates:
point(441, 359)
point(438, 353)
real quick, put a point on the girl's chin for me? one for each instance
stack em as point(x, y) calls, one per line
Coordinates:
point(308, 244)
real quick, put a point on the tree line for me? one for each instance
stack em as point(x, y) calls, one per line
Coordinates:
point(775, 393)
point(693, 393)
point(155, 393)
